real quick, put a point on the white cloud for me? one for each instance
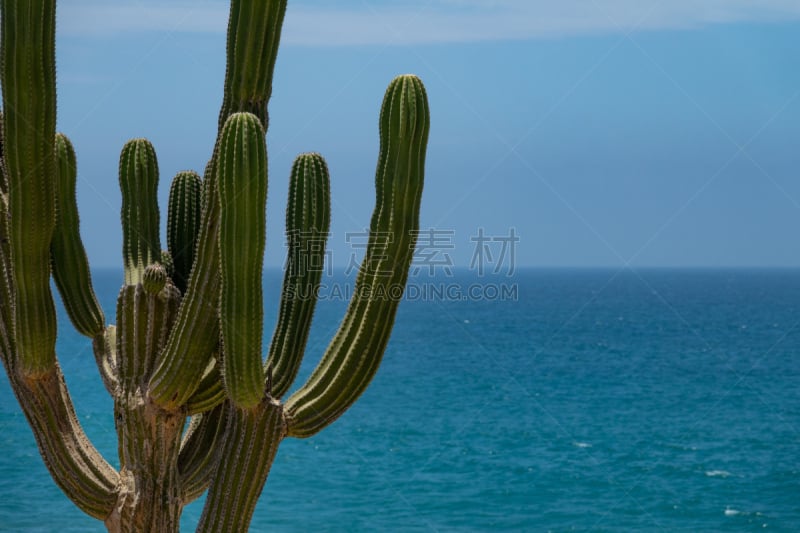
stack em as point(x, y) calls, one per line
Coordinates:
point(437, 21)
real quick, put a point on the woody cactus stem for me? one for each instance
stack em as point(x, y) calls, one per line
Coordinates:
point(149, 437)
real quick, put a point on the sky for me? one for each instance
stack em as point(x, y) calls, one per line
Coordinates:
point(614, 133)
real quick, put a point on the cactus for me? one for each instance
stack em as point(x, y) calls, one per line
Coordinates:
point(188, 337)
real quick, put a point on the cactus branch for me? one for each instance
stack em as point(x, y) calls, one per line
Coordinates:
point(138, 180)
point(195, 335)
point(183, 224)
point(29, 102)
point(70, 265)
point(254, 32)
point(307, 224)
point(353, 356)
point(242, 184)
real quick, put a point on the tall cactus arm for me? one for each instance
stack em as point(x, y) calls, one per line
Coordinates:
point(253, 436)
point(307, 224)
point(254, 32)
point(27, 71)
point(201, 451)
point(70, 265)
point(183, 224)
point(138, 180)
point(242, 184)
point(353, 356)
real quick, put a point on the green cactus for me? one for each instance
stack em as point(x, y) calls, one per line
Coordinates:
point(188, 338)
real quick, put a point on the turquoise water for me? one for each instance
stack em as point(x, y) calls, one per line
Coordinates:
point(663, 400)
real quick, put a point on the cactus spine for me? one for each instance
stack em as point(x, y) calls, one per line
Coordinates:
point(188, 338)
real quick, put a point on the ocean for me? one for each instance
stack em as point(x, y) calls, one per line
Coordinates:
point(550, 400)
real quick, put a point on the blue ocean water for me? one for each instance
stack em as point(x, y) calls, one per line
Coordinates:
point(583, 400)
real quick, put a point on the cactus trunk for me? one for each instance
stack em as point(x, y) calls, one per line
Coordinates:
point(149, 497)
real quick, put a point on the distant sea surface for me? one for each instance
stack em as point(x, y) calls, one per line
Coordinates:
point(589, 400)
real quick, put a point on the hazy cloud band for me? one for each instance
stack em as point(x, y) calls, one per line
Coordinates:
point(437, 21)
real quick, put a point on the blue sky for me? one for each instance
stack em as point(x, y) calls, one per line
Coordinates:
point(605, 132)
